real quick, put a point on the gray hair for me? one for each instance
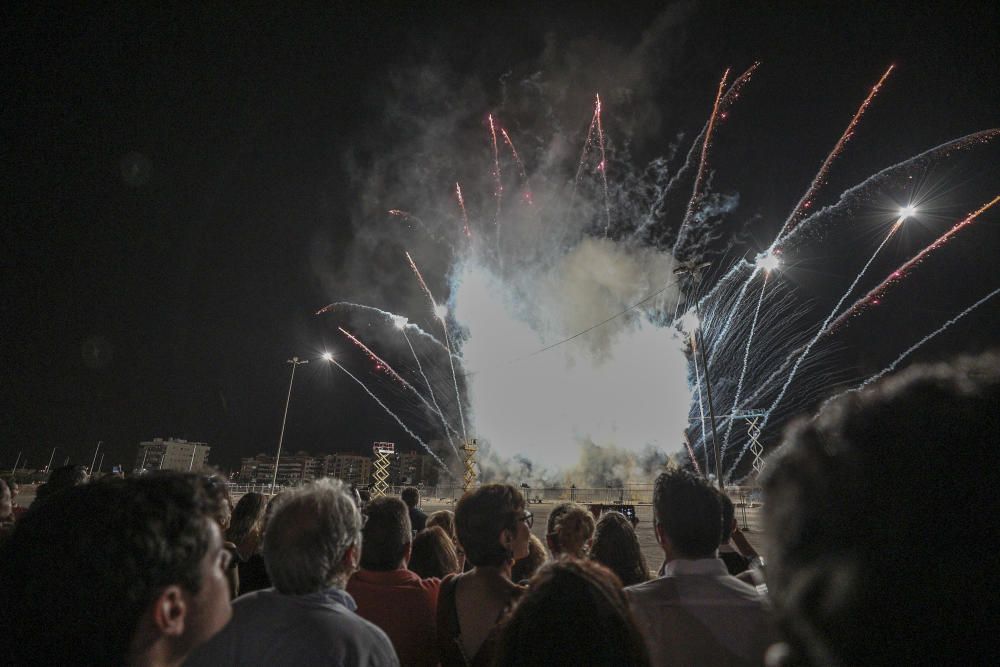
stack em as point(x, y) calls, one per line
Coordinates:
point(307, 536)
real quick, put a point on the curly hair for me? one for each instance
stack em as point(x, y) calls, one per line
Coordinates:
point(481, 516)
point(80, 570)
point(570, 526)
point(617, 548)
point(602, 631)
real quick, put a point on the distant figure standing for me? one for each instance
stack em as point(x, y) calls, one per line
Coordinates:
point(418, 520)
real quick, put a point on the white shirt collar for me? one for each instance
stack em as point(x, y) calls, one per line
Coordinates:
point(703, 566)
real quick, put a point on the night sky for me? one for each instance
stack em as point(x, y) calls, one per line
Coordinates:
point(173, 178)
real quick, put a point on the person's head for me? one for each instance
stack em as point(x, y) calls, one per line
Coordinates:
point(880, 546)
point(247, 521)
point(116, 572)
point(446, 520)
point(60, 479)
point(687, 515)
point(728, 517)
point(14, 488)
point(433, 554)
point(219, 500)
point(525, 568)
point(574, 613)
point(492, 525)
point(410, 496)
point(387, 535)
point(6, 501)
point(313, 539)
point(616, 547)
point(569, 530)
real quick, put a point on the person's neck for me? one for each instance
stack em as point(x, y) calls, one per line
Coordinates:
point(158, 653)
point(494, 571)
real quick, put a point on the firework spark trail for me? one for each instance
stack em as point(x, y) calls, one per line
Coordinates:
point(447, 344)
point(603, 167)
point(817, 182)
point(913, 348)
point(465, 215)
point(583, 155)
point(732, 94)
point(514, 153)
point(728, 323)
point(701, 404)
point(454, 379)
point(699, 178)
point(420, 279)
point(386, 314)
point(497, 176)
point(843, 203)
point(816, 337)
point(430, 388)
point(746, 361)
point(393, 415)
point(381, 364)
point(875, 295)
point(694, 460)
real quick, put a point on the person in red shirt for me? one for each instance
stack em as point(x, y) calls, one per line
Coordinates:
point(389, 595)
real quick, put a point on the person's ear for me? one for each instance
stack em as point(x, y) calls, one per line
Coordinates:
point(352, 557)
point(169, 611)
point(506, 538)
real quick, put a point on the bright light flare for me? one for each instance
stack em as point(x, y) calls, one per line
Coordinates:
point(327, 356)
point(768, 261)
point(907, 212)
point(690, 322)
point(400, 322)
point(441, 311)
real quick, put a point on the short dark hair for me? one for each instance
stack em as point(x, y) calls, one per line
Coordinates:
point(410, 496)
point(60, 479)
point(875, 514)
point(617, 548)
point(79, 571)
point(481, 516)
point(433, 554)
point(574, 613)
point(385, 535)
point(689, 513)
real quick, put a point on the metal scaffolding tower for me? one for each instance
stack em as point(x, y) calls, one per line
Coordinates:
point(383, 451)
point(469, 460)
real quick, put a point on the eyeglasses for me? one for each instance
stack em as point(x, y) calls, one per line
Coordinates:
point(528, 518)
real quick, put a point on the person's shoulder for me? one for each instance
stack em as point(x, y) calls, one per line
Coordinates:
point(741, 590)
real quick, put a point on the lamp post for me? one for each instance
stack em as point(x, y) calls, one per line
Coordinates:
point(295, 362)
point(94, 460)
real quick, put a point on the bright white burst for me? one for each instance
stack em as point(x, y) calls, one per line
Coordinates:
point(768, 261)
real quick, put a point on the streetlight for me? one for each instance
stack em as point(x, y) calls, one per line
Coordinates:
point(295, 362)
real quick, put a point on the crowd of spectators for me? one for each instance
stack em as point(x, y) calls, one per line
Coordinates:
point(162, 569)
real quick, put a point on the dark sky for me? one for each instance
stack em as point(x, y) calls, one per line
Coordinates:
point(168, 173)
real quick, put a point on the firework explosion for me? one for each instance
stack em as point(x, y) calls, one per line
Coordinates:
point(566, 340)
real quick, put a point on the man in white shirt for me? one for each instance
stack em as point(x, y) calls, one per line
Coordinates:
point(696, 613)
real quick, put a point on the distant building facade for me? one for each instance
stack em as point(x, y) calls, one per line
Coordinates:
point(351, 468)
point(292, 469)
point(172, 454)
